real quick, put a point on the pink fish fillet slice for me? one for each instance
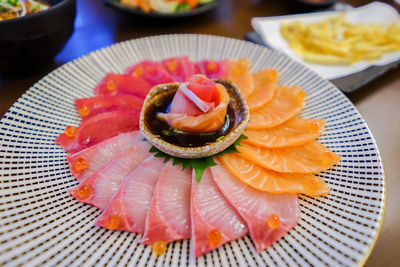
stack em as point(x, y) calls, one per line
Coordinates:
point(211, 211)
point(99, 155)
point(105, 182)
point(169, 216)
point(255, 207)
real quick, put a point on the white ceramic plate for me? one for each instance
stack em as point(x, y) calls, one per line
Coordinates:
point(379, 13)
point(41, 224)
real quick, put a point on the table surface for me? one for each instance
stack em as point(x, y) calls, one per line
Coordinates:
point(97, 26)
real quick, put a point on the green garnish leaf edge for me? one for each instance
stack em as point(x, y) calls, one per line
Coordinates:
point(201, 164)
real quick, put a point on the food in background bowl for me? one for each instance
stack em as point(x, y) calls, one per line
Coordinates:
point(165, 6)
point(10, 9)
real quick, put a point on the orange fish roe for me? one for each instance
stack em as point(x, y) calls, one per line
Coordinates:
point(273, 221)
point(171, 65)
point(84, 191)
point(301, 95)
point(80, 164)
point(112, 223)
point(313, 127)
point(70, 131)
point(138, 71)
point(214, 237)
point(327, 157)
point(159, 247)
point(212, 66)
point(84, 110)
point(111, 86)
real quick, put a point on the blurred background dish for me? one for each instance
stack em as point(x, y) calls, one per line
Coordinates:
point(31, 41)
point(311, 5)
point(202, 7)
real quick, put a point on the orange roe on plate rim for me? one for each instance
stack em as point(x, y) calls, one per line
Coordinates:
point(70, 131)
point(327, 157)
point(138, 71)
point(111, 86)
point(112, 223)
point(84, 110)
point(212, 66)
point(84, 191)
point(313, 127)
point(273, 221)
point(301, 95)
point(80, 164)
point(159, 247)
point(214, 237)
point(171, 65)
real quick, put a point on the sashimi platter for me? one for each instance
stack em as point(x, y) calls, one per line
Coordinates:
point(187, 150)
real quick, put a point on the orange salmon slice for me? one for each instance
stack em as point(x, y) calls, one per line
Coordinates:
point(264, 88)
point(311, 157)
point(241, 75)
point(286, 103)
point(273, 182)
point(294, 132)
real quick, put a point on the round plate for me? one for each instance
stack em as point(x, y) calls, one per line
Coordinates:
point(137, 11)
point(42, 224)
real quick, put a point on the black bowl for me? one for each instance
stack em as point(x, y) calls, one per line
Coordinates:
point(32, 41)
point(311, 5)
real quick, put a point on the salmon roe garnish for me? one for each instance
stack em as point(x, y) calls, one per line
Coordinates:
point(70, 131)
point(159, 247)
point(138, 71)
point(212, 66)
point(84, 110)
point(171, 65)
point(327, 157)
point(214, 237)
point(84, 191)
point(273, 221)
point(301, 95)
point(80, 164)
point(313, 127)
point(112, 223)
point(111, 86)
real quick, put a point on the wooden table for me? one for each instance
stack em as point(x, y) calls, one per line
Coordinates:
point(98, 26)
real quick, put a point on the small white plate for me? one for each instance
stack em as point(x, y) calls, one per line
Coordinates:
point(269, 29)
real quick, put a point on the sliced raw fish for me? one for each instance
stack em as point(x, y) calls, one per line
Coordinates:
point(180, 68)
point(169, 216)
point(213, 69)
point(210, 211)
point(294, 132)
point(89, 107)
point(182, 105)
point(98, 189)
point(206, 122)
point(273, 182)
point(128, 207)
point(97, 156)
point(152, 72)
point(98, 128)
point(286, 104)
point(240, 74)
point(311, 157)
point(122, 84)
point(257, 208)
point(264, 88)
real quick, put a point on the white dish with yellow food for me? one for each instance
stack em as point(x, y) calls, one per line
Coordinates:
point(336, 44)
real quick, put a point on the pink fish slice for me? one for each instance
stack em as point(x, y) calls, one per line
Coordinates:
point(122, 84)
point(214, 221)
point(180, 68)
point(97, 156)
point(89, 107)
point(152, 72)
point(213, 69)
point(128, 207)
point(99, 128)
point(169, 216)
point(98, 189)
point(268, 216)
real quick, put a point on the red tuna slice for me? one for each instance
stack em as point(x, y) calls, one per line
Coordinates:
point(169, 216)
point(128, 207)
point(122, 84)
point(180, 68)
point(89, 107)
point(98, 189)
point(214, 221)
point(98, 128)
point(97, 156)
point(213, 69)
point(153, 72)
point(268, 216)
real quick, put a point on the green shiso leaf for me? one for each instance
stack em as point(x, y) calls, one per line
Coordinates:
point(201, 164)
